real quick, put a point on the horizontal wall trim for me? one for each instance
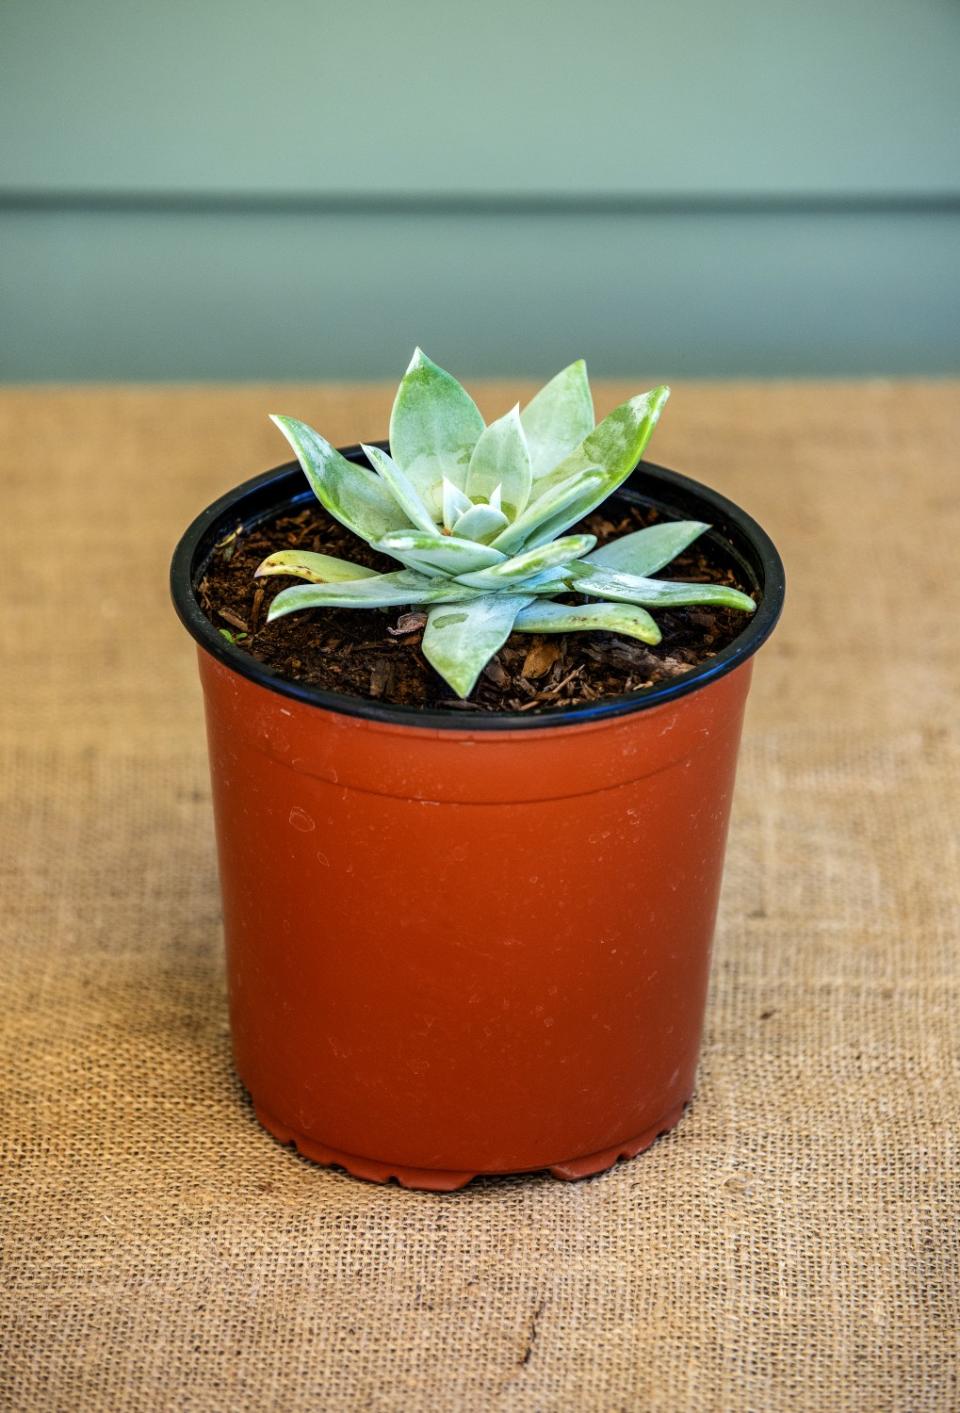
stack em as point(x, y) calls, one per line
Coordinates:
point(482, 203)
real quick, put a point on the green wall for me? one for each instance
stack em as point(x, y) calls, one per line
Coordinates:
point(243, 190)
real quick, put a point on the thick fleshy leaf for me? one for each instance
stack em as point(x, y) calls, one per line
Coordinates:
point(351, 493)
point(645, 551)
point(615, 444)
point(434, 426)
point(555, 524)
point(402, 587)
point(599, 582)
point(626, 618)
point(318, 568)
point(460, 640)
point(481, 523)
point(529, 563)
point(548, 508)
point(441, 554)
point(558, 418)
point(454, 503)
point(501, 458)
point(550, 582)
point(401, 488)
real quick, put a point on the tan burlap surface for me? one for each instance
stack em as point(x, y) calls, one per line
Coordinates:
point(791, 1246)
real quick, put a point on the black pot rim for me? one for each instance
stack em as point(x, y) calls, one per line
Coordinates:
point(679, 496)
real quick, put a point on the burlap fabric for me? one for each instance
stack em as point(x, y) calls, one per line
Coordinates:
point(791, 1246)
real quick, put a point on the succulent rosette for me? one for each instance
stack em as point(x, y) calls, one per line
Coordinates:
point(476, 517)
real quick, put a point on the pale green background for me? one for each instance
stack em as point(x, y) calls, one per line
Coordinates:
point(713, 187)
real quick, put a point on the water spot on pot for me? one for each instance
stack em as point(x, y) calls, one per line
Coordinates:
point(548, 1021)
point(322, 859)
point(458, 852)
point(418, 1066)
point(301, 820)
point(534, 878)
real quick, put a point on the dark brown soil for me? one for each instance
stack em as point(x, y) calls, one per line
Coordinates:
point(375, 653)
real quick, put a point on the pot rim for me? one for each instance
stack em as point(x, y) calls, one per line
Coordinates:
point(681, 497)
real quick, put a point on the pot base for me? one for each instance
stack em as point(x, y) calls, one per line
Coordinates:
point(447, 1180)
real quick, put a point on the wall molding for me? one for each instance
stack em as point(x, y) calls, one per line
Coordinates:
point(483, 204)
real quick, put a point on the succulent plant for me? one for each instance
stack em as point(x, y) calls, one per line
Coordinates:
point(476, 516)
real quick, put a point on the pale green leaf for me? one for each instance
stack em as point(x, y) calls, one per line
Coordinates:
point(318, 568)
point(550, 582)
point(351, 493)
point(550, 508)
point(441, 554)
point(625, 618)
point(558, 418)
point(604, 583)
point(617, 443)
point(615, 446)
point(501, 459)
point(561, 520)
point(453, 502)
point(645, 551)
point(481, 523)
point(434, 427)
point(403, 586)
point(461, 639)
point(401, 488)
point(529, 563)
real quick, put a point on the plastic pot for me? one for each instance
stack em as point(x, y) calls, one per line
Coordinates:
point(463, 943)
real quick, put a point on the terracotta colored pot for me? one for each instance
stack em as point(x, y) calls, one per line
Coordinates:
point(461, 943)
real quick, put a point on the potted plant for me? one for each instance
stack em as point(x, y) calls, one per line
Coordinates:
point(469, 890)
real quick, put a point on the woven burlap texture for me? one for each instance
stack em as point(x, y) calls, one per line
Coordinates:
point(791, 1246)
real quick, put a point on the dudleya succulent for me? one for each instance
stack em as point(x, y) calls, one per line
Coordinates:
point(476, 516)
